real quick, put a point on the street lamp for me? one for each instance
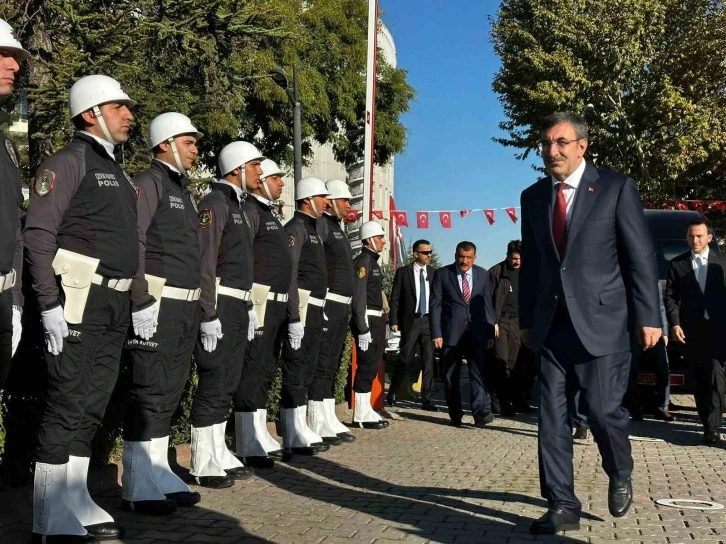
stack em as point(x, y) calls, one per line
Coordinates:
point(279, 76)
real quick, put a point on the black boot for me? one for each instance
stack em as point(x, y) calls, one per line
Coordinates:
point(240, 473)
point(105, 531)
point(215, 482)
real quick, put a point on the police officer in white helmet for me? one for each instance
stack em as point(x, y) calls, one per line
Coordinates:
point(81, 226)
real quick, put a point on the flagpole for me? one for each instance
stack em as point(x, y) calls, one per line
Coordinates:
point(371, 66)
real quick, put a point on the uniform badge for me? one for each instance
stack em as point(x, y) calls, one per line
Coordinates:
point(205, 218)
point(362, 272)
point(291, 240)
point(44, 182)
point(11, 152)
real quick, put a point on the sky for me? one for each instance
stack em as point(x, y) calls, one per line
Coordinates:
point(450, 161)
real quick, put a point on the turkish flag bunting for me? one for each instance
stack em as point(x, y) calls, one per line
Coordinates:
point(445, 218)
point(464, 213)
point(378, 214)
point(490, 216)
point(422, 220)
point(401, 218)
point(352, 216)
point(512, 213)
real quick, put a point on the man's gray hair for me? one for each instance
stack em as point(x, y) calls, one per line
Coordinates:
point(577, 122)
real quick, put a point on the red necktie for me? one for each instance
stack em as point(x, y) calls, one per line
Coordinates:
point(559, 220)
point(465, 289)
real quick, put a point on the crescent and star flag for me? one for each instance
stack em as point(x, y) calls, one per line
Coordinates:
point(512, 213)
point(464, 213)
point(401, 218)
point(422, 220)
point(445, 218)
point(490, 216)
point(352, 216)
point(378, 214)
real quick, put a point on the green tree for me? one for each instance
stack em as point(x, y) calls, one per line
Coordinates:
point(648, 75)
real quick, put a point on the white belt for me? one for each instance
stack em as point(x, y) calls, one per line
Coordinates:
point(278, 297)
point(319, 302)
point(7, 281)
point(122, 285)
point(240, 294)
point(338, 298)
point(178, 293)
point(377, 313)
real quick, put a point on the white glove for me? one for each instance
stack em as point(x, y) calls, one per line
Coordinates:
point(296, 331)
point(145, 322)
point(253, 326)
point(56, 329)
point(211, 332)
point(17, 329)
point(364, 340)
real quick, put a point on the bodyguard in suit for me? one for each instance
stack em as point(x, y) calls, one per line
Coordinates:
point(410, 315)
point(695, 301)
point(462, 325)
point(587, 272)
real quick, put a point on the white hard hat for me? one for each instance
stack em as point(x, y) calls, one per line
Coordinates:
point(338, 189)
point(235, 155)
point(369, 229)
point(9, 40)
point(270, 168)
point(169, 125)
point(91, 91)
point(309, 187)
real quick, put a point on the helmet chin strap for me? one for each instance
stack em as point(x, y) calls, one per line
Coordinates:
point(177, 159)
point(373, 247)
point(102, 124)
point(314, 207)
point(337, 211)
point(267, 191)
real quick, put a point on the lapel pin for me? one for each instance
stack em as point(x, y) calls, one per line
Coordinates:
point(591, 189)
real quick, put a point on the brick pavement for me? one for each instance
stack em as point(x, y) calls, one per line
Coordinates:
point(423, 481)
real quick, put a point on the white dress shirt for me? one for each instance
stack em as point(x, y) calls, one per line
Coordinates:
point(108, 146)
point(170, 166)
point(469, 277)
point(239, 192)
point(572, 182)
point(699, 263)
point(417, 282)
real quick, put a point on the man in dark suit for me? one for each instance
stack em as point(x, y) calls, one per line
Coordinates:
point(695, 301)
point(462, 325)
point(410, 315)
point(587, 271)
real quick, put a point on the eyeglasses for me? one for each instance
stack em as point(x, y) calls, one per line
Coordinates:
point(424, 252)
point(561, 143)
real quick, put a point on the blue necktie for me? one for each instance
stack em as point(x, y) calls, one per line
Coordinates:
point(421, 293)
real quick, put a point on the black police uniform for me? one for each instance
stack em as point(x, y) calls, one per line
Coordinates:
point(169, 249)
point(227, 240)
point(11, 247)
point(84, 202)
point(339, 264)
point(272, 267)
point(309, 272)
point(367, 298)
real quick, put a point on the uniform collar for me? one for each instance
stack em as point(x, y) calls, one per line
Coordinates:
point(372, 253)
point(173, 173)
point(262, 200)
point(305, 217)
point(107, 146)
point(230, 189)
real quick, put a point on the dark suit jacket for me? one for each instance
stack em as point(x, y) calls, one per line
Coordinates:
point(403, 297)
point(451, 316)
point(608, 276)
point(685, 303)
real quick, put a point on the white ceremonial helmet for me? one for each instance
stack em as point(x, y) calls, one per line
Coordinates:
point(270, 168)
point(166, 127)
point(338, 189)
point(90, 92)
point(309, 187)
point(369, 229)
point(9, 40)
point(235, 155)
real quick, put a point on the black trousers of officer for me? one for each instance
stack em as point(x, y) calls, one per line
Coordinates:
point(332, 340)
point(260, 364)
point(6, 335)
point(565, 366)
point(160, 372)
point(418, 338)
point(368, 361)
point(705, 354)
point(220, 371)
point(82, 377)
point(501, 365)
point(299, 365)
point(480, 393)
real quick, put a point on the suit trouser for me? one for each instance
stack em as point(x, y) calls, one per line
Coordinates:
point(299, 365)
point(369, 360)
point(707, 369)
point(219, 372)
point(161, 370)
point(82, 377)
point(6, 335)
point(332, 341)
point(260, 362)
point(502, 364)
point(658, 355)
point(565, 366)
point(576, 407)
point(419, 337)
point(480, 396)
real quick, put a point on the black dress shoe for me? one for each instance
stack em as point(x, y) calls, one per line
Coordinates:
point(664, 415)
point(524, 408)
point(507, 411)
point(582, 434)
point(184, 498)
point(371, 424)
point(283, 454)
point(620, 497)
point(215, 482)
point(62, 539)
point(456, 424)
point(554, 521)
point(429, 407)
point(320, 447)
point(711, 438)
point(332, 440)
point(303, 450)
point(259, 461)
point(346, 437)
point(483, 420)
point(150, 508)
point(105, 531)
point(240, 473)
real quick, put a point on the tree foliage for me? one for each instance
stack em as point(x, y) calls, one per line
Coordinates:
point(648, 75)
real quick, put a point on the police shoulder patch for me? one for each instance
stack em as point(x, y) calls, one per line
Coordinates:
point(362, 272)
point(44, 182)
point(291, 240)
point(205, 218)
point(11, 152)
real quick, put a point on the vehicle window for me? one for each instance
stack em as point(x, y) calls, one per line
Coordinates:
point(667, 249)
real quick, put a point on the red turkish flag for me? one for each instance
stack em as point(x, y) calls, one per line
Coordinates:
point(378, 214)
point(464, 213)
point(422, 220)
point(401, 218)
point(681, 205)
point(352, 216)
point(445, 218)
point(490, 216)
point(718, 205)
point(512, 213)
